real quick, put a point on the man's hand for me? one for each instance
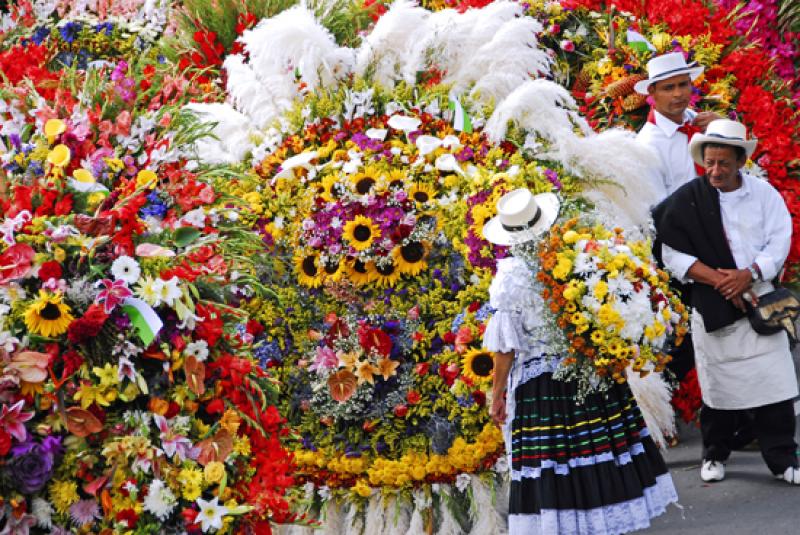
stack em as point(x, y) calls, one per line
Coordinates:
point(703, 118)
point(498, 409)
point(734, 283)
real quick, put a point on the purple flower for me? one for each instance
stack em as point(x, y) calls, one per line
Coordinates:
point(30, 471)
point(552, 176)
point(84, 512)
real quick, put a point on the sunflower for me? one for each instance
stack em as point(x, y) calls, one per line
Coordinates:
point(333, 268)
point(361, 232)
point(480, 215)
point(411, 258)
point(308, 269)
point(477, 365)
point(396, 179)
point(422, 193)
point(364, 182)
point(48, 316)
point(387, 274)
point(330, 187)
point(360, 272)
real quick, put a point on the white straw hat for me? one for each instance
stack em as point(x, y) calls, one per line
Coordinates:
point(722, 132)
point(521, 216)
point(666, 66)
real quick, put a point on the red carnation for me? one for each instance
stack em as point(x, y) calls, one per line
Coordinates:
point(87, 326)
point(374, 339)
point(128, 517)
point(50, 270)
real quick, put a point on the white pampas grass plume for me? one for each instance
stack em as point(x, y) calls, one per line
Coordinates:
point(294, 39)
point(232, 133)
point(539, 106)
point(386, 46)
point(485, 519)
point(614, 156)
point(260, 98)
point(509, 59)
point(653, 397)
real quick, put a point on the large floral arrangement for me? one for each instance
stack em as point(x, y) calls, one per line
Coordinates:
point(613, 304)
point(129, 397)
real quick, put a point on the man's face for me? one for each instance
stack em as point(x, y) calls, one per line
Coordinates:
point(672, 95)
point(722, 167)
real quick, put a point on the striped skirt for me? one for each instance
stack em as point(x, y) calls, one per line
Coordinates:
point(588, 469)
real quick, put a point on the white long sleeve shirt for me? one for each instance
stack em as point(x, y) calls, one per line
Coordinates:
point(757, 225)
point(674, 166)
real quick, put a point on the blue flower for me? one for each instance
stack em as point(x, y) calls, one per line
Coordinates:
point(40, 34)
point(104, 27)
point(69, 31)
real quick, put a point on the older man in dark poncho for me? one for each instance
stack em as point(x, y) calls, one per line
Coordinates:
point(728, 234)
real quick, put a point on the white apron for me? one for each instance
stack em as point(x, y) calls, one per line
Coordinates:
point(737, 368)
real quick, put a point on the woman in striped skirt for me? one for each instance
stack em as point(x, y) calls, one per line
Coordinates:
point(584, 468)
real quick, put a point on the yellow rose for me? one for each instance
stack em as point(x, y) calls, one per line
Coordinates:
point(570, 237)
point(214, 471)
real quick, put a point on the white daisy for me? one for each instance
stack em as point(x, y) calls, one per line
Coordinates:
point(149, 291)
point(211, 513)
point(198, 350)
point(160, 501)
point(127, 269)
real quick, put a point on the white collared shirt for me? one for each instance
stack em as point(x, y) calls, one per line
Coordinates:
point(675, 166)
point(758, 227)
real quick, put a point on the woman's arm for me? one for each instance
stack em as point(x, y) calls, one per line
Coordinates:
point(502, 366)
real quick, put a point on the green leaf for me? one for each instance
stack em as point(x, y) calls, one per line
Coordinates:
point(186, 235)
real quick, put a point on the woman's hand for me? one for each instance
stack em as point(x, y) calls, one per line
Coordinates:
point(498, 410)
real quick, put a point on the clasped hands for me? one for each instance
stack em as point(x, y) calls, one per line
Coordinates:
point(735, 285)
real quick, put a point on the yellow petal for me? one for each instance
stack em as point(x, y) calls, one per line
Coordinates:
point(54, 127)
point(82, 175)
point(59, 156)
point(145, 178)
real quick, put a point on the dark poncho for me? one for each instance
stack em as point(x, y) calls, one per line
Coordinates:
point(690, 221)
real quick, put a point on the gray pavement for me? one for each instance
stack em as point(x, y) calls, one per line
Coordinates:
point(748, 502)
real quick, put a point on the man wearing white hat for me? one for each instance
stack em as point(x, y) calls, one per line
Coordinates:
point(729, 234)
point(670, 123)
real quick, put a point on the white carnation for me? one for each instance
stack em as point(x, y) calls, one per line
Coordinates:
point(160, 501)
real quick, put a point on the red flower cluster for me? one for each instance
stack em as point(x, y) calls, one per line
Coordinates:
point(687, 399)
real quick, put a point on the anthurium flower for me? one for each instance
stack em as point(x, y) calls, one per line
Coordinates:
point(15, 262)
point(31, 366)
point(12, 420)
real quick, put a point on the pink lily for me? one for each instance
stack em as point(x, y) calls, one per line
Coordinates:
point(114, 294)
point(174, 444)
point(12, 420)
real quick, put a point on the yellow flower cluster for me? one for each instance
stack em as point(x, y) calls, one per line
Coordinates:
point(413, 467)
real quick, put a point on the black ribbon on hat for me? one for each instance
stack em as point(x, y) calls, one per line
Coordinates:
point(671, 72)
point(526, 226)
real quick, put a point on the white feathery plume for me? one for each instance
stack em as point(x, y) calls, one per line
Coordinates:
point(653, 397)
point(439, 39)
point(232, 133)
point(613, 155)
point(260, 98)
point(294, 39)
point(512, 54)
point(386, 45)
point(485, 518)
point(539, 106)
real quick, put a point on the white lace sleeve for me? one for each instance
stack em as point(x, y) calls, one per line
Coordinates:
point(511, 294)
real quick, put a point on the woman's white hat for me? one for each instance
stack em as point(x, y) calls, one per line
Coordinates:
point(521, 216)
point(666, 66)
point(723, 132)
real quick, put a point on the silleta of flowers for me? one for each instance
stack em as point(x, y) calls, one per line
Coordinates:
point(611, 300)
point(129, 399)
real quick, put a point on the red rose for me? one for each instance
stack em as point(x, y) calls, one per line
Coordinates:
point(413, 397)
point(128, 517)
point(449, 337)
point(449, 373)
point(50, 270)
point(479, 397)
point(422, 368)
point(5, 442)
point(400, 410)
point(15, 262)
point(474, 306)
point(374, 339)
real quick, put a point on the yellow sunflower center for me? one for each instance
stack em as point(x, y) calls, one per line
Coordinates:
point(50, 312)
point(482, 365)
point(362, 233)
point(413, 252)
point(309, 266)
